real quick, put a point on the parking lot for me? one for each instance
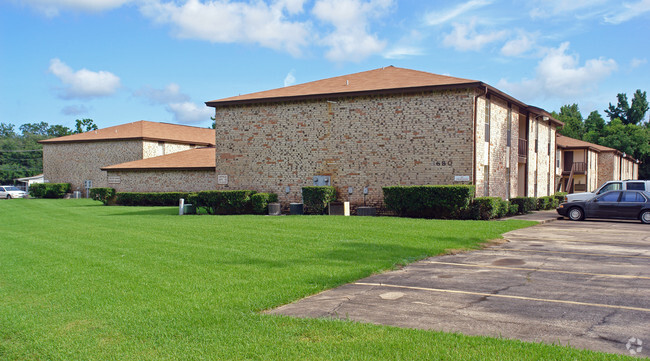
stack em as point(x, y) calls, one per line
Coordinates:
point(584, 284)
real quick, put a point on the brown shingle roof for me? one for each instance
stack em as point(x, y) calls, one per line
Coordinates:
point(198, 158)
point(144, 130)
point(566, 142)
point(384, 79)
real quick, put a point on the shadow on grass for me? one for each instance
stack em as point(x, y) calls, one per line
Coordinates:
point(170, 211)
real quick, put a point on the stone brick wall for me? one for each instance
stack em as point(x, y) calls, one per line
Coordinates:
point(607, 167)
point(373, 141)
point(76, 162)
point(163, 180)
point(155, 149)
point(592, 171)
point(541, 162)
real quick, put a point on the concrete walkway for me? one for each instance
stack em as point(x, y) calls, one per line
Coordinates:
point(583, 284)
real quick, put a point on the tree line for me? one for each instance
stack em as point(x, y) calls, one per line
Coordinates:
point(627, 130)
point(20, 153)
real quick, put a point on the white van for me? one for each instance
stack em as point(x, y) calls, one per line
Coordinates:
point(637, 185)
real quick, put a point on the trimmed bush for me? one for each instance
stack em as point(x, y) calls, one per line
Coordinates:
point(224, 202)
point(513, 209)
point(260, 202)
point(49, 190)
point(504, 206)
point(317, 198)
point(485, 208)
point(548, 202)
point(525, 204)
point(149, 199)
point(560, 196)
point(103, 195)
point(449, 201)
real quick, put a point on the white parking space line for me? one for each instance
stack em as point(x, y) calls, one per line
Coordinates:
point(564, 252)
point(610, 243)
point(537, 270)
point(504, 296)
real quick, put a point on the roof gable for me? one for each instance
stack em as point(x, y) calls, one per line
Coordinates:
point(146, 131)
point(383, 79)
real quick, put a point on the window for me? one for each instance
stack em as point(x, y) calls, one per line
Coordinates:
point(509, 120)
point(487, 119)
point(636, 186)
point(610, 187)
point(486, 171)
point(632, 197)
point(609, 197)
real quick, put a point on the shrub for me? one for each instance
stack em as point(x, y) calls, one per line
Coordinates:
point(149, 199)
point(548, 202)
point(224, 202)
point(560, 196)
point(50, 190)
point(524, 204)
point(260, 202)
point(451, 201)
point(513, 209)
point(102, 194)
point(485, 208)
point(317, 198)
point(504, 206)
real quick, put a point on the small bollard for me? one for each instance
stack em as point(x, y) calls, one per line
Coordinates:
point(181, 206)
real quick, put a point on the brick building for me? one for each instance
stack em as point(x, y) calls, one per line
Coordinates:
point(79, 158)
point(389, 126)
point(584, 166)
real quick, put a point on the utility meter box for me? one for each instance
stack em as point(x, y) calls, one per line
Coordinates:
point(321, 180)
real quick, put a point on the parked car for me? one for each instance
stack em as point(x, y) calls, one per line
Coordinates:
point(638, 185)
point(12, 192)
point(613, 204)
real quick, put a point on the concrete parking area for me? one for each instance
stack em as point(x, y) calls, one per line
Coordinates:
point(583, 284)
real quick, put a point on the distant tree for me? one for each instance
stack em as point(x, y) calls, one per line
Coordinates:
point(34, 129)
point(58, 131)
point(572, 119)
point(633, 114)
point(594, 125)
point(7, 130)
point(214, 122)
point(84, 125)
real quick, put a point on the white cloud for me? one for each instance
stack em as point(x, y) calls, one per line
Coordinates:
point(636, 62)
point(170, 94)
point(554, 8)
point(224, 21)
point(189, 113)
point(350, 40)
point(52, 8)
point(290, 79)
point(628, 12)
point(464, 37)
point(402, 52)
point(520, 45)
point(84, 83)
point(441, 17)
point(74, 110)
point(560, 74)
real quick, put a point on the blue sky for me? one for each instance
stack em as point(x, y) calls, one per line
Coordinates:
point(118, 61)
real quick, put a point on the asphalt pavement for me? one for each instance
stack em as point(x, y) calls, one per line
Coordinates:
point(583, 284)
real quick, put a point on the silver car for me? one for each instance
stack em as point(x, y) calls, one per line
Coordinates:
point(12, 192)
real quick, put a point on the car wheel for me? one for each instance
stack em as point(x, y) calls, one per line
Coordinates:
point(8, 196)
point(576, 214)
point(645, 217)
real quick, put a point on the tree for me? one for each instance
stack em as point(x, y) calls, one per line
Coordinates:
point(34, 129)
point(7, 130)
point(84, 125)
point(594, 125)
point(58, 131)
point(629, 114)
point(572, 119)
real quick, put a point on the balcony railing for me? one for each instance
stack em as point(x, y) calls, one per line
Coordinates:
point(522, 148)
point(576, 168)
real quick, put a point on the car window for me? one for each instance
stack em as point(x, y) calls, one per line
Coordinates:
point(636, 186)
point(609, 197)
point(610, 187)
point(13, 189)
point(632, 197)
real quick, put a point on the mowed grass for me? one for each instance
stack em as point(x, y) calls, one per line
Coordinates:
point(80, 281)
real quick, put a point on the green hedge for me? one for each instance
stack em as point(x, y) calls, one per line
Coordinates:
point(485, 208)
point(317, 198)
point(49, 190)
point(102, 194)
point(560, 196)
point(149, 199)
point(260, 202)
point(224, 202)
point(525, 204)
point(548, 202)
point(513, 209)
point(428, 201)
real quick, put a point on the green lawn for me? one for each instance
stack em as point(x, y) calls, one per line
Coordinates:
point(82, 281)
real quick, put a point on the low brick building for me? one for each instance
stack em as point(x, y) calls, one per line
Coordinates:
point(584, 166)
point(186, 171)
point(78, 158)
point(389, 126)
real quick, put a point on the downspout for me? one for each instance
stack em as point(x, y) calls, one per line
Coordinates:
point(475, 128)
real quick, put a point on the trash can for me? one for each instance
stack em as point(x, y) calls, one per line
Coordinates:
point(275, 209)
point(296, 209)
